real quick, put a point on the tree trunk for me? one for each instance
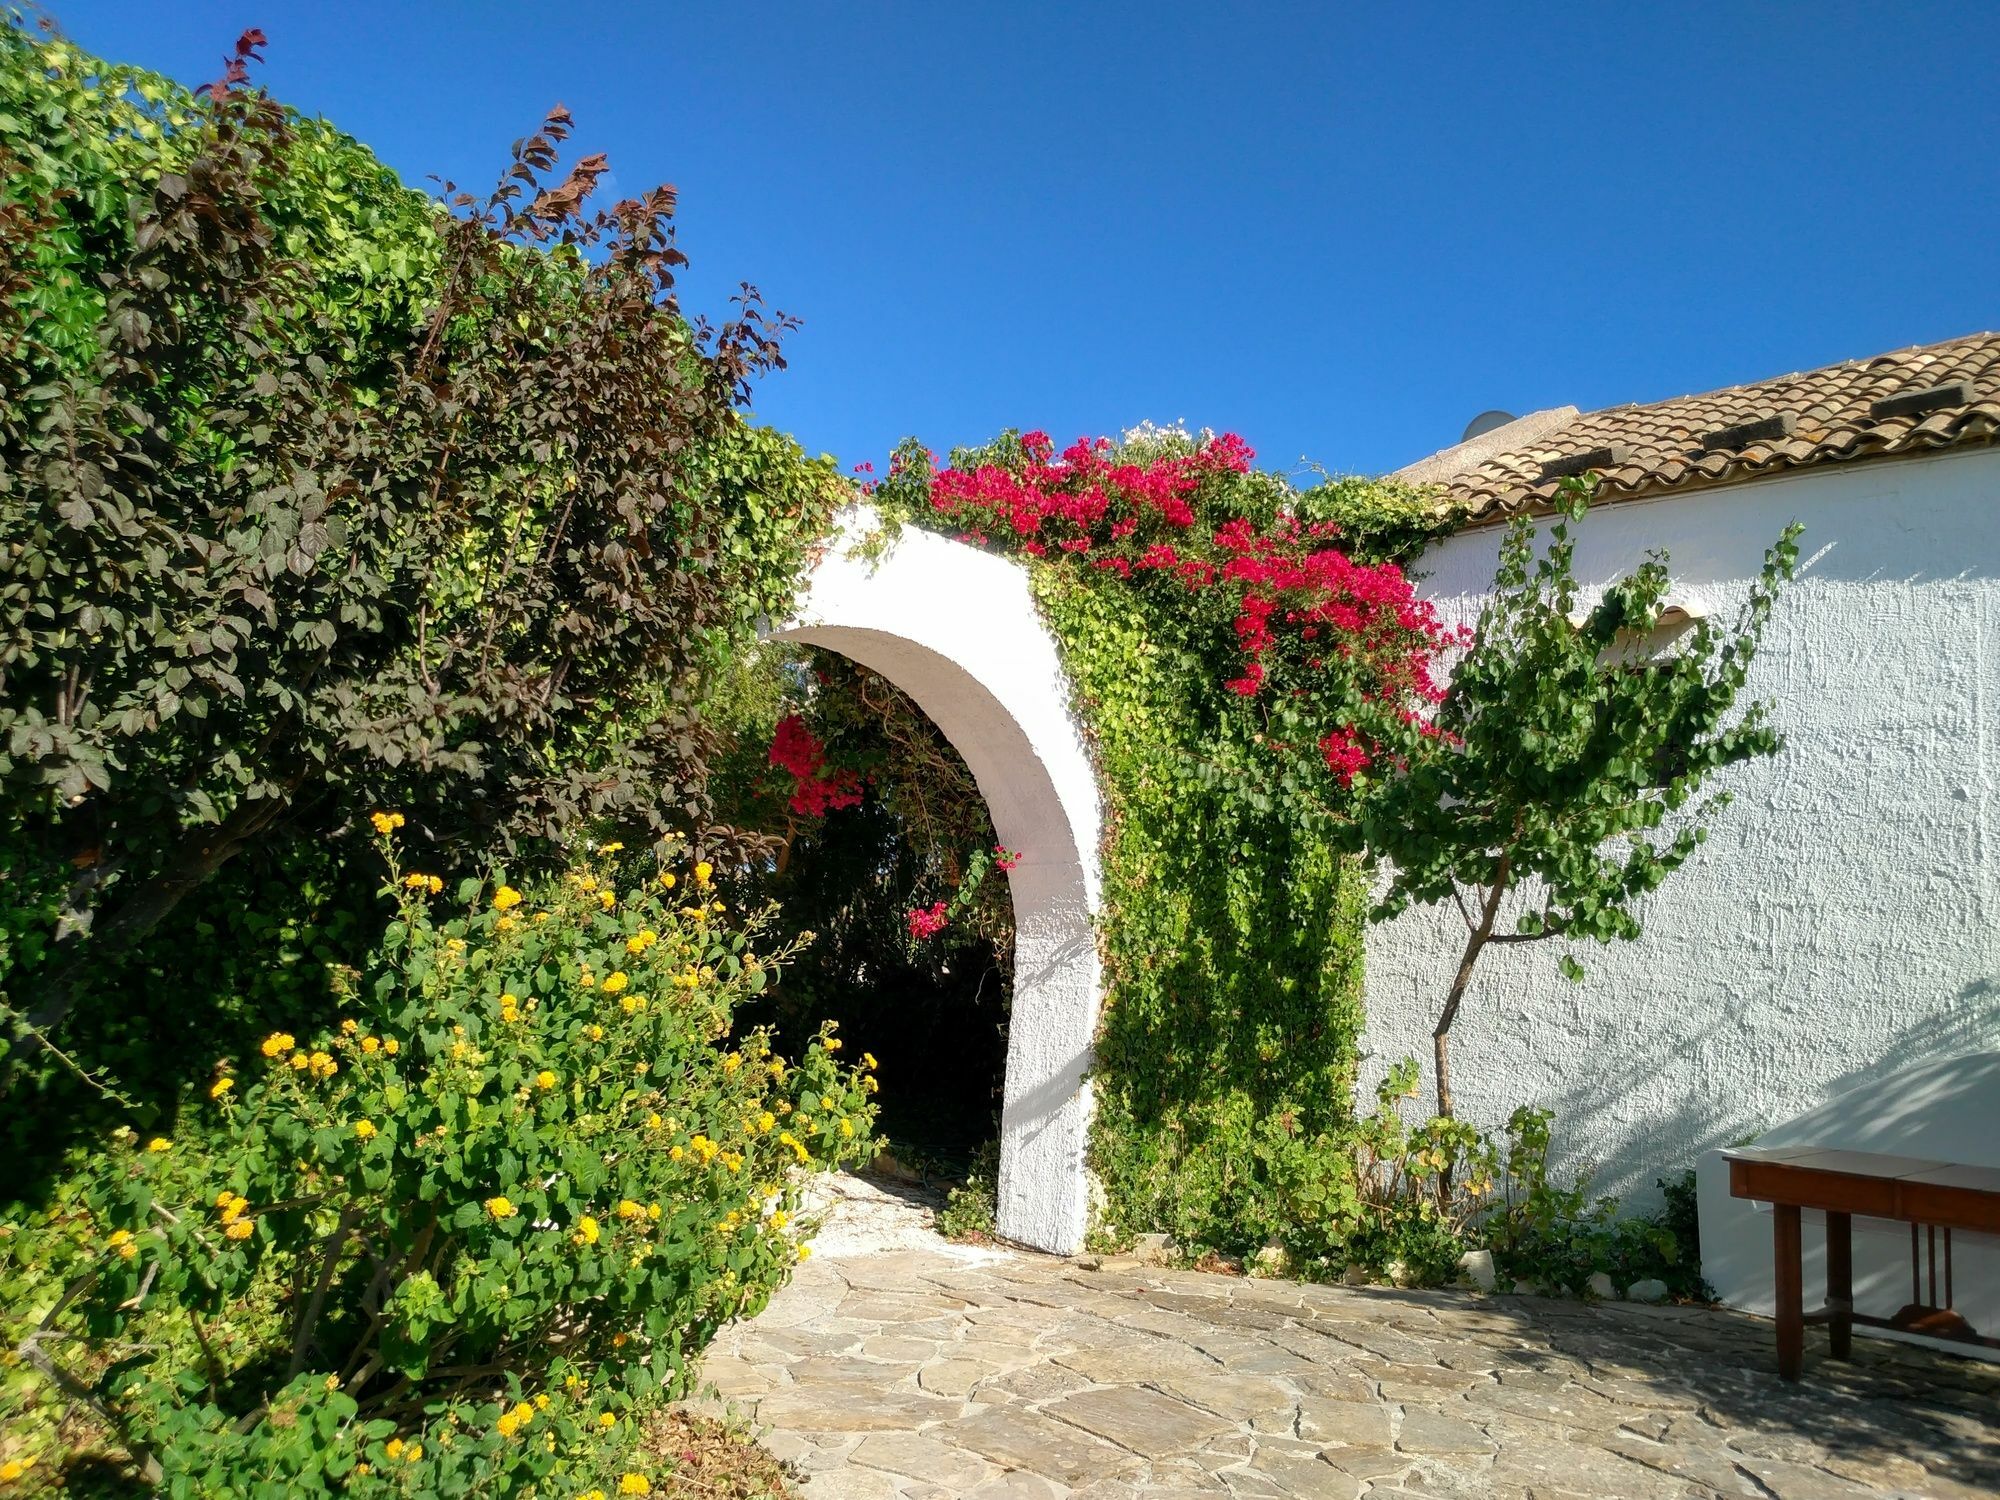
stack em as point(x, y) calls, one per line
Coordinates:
point(1475, 943)
point(125, 923)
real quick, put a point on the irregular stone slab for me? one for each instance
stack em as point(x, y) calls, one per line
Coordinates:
point(952, 1377)
point(1348, 1424)
point(1018, 1439)
point(884, 1307)
point(1432, 1432)
point(852, 1484)
point(1240, 1398)
point(1013, 1486)
point(1570, 1405)
point(829, 1411)
point(921, 1458)
point(1305, 1475)
point(1037, 1383)
point(1135, 1362)
point(863, 1376)
point(735, 1378)
point(1144, 1421)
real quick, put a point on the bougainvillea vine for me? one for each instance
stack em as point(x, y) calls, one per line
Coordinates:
point(816, 791)
point(1341, 654)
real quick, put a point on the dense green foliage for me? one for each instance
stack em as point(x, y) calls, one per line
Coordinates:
point(1225, 1060)
point(524, 1161)
point(1231, 940)
point(315, 494)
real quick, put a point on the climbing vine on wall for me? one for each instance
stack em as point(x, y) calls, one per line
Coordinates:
point(1236, 643)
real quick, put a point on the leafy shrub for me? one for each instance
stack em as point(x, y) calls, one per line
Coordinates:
point(1424, 1194)
point(972, 1208)
point(457, 1241)
point(315, 492)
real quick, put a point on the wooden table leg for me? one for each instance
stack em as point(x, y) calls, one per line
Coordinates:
point(1789, 1278)
point(1840, 1283)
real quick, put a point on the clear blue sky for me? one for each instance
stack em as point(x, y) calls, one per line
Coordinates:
point(1339, 229)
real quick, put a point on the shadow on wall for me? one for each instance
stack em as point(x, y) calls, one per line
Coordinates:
point(1590, 1110)
point(1943, 1109)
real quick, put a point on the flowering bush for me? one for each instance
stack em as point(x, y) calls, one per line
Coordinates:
point(457, 1241)
point(816, 791)
point(1320, 635)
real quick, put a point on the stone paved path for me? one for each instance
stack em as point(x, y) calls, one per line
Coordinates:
point(949, 1371)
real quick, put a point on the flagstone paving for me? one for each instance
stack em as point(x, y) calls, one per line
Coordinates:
point(947, 1371)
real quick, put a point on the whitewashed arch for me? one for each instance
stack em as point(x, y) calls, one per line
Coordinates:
point(956, 629)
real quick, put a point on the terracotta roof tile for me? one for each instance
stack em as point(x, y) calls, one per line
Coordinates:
point(1663, 442)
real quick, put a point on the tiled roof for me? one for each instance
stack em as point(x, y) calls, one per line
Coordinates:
point(1822, 416)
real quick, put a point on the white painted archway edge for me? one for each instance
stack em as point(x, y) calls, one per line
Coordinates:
point(957, 629)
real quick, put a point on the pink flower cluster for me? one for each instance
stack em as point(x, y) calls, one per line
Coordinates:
point(815, 791)
point(928, 922)
point(1005, 858)
point(1082, 498)
point(1309, 620)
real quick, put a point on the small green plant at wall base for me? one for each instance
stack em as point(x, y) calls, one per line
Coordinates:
point(463, 1239)
point(972, 1206)
point(1425, 1193)
point(1561, 769)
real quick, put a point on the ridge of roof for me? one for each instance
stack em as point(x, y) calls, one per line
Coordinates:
point(1648, 448)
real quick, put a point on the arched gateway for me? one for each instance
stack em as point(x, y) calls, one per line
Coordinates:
point(956, 629)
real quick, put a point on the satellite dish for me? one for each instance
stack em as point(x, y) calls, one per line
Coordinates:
point(1484, 423)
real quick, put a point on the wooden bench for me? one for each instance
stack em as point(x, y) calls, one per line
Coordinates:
point(1927, 1195)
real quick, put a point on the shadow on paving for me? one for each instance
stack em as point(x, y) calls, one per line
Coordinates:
point(1010, 1376)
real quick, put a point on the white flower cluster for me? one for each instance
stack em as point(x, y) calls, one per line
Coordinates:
point(1153, 439)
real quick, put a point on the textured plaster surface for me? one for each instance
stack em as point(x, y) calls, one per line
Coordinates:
point(1843, 920)
point(957, 630)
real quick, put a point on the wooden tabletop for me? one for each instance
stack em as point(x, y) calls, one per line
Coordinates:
point(1916, 1189)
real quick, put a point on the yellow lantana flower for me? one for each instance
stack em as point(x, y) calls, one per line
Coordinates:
point(240, 1229)
point(158, 1144)
point(704, 872)
point(386, 823)
point(220, 1087)
point(506, 898)
point(279, 1041)
point(613, 983)
point(634, 1484)
point(586, 1231)
point(545, 1079)
point(501, 1207)
point(364, 1130)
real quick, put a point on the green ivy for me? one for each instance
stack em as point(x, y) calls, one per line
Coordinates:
point(1231, 934)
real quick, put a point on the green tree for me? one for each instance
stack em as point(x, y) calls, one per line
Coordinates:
point(266, 562)
point(1563, 772)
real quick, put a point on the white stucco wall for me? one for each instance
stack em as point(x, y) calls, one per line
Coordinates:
point(957, 629)
point(1843, 920)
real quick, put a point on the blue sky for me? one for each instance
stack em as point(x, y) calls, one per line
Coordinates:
point(1341, 230)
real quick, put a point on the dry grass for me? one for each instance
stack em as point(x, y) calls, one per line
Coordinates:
point(699, 1458)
